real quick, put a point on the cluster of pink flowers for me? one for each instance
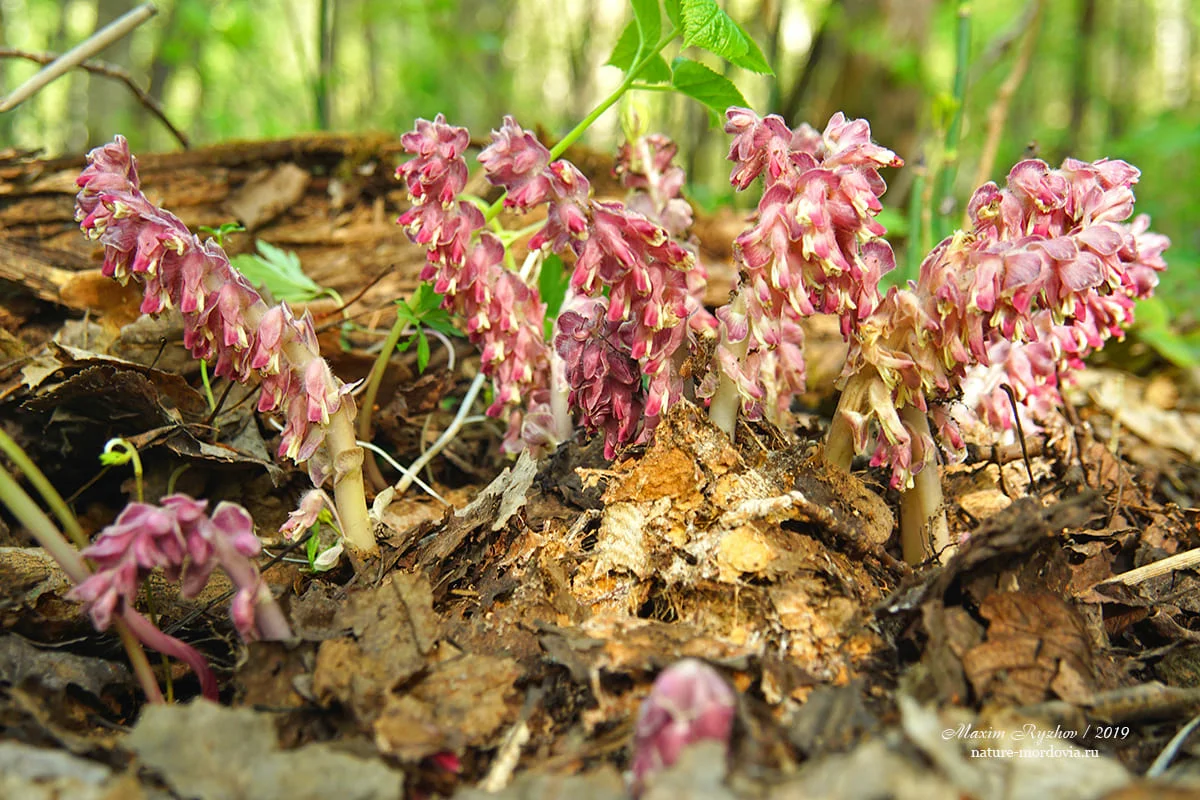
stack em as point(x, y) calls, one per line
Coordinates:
point(645, 271)
point(225, 320)
point(632, 287)
point(1050, 259)
point(814, 247)
point(1033, 369)
point(178, 537)
point(503, 314)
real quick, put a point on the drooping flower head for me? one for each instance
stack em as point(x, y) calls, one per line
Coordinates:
point(815, 245)
point(642, 280)
point(225, 320)
point(178, 537)
point(503, 314)
point(689, 703)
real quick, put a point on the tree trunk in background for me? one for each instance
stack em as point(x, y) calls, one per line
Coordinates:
point(109, 103)
point(326, 36)
point(849, 71)
point(1127, 63)
point(579, 63)
point(161, 72)
point(1081, 77)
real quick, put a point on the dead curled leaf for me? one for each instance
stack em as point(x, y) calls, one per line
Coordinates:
point(1036, 645)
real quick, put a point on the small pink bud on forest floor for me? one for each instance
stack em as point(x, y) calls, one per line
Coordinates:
point(690, 702)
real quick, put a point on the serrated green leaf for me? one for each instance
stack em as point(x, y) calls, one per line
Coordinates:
point(707, 26)
point(440, 321)
point(426, 300)
point(753, 60)
point(655, 70)
point(422, 350)
point(649, 20)
point(700, 83)
point(672, 9)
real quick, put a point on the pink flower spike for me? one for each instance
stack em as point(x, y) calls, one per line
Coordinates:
point(689, 702)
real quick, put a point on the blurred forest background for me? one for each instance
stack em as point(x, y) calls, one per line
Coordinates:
point(1052, 78)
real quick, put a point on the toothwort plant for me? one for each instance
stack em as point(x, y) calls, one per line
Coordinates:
point(226, 321)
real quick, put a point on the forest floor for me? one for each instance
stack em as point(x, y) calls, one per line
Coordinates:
point(501, 645)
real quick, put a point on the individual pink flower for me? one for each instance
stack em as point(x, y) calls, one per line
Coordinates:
point(690, 702)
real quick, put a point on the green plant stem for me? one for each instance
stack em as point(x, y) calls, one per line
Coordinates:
point(39, 525)
point(573, 135)
point(208, 395)
point(376, 379)
point(49, 494)
point(950, 160)
point(916, 240)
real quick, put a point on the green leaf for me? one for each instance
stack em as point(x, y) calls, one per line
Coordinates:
point(552, 286)
point(220, 233)
point(422, 350)
point(710, 88)
point(1153, 327)
point(753, 60)
point(649, 21)
point(311, 549)
point(279, 271)
point(656, 69)
point(625, 50)
point(672, 9)
point(426, 300)
point(440, 321)
point(707, 26)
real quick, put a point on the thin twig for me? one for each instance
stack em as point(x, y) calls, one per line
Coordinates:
point(1012, 400)
point(998, 113)
point(108, 71)
point(405, 471)
point(1176, 563)
point(1172, 749)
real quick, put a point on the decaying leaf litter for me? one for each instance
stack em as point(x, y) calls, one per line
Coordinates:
point(504, 644)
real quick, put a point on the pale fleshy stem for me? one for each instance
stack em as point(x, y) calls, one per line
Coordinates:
point(349, 492)
point(560, 393)
point(723, 410)
point(840, 445)
point(924, 529)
